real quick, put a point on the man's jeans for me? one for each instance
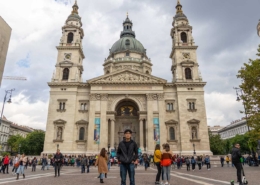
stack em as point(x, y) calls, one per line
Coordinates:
point(130, 168)
point(239, 169)
point(82, 168)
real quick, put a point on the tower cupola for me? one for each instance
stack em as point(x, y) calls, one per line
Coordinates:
point(127, 28)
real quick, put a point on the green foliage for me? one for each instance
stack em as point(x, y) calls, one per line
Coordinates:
point(250, 76)
point(5, 153)
point(31, 145)
point(217, 145)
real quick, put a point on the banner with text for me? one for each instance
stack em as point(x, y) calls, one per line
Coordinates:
point(97, 131)
point(156, 130)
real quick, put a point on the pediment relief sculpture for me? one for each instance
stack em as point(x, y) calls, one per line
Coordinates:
point(59, 121)
point(128, 77)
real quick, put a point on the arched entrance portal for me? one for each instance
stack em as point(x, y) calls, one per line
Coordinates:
point(127, 117)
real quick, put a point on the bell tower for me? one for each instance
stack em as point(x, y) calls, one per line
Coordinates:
point(184, 58)
point(69, 65)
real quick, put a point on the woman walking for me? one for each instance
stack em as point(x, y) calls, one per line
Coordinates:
point(22, 163)
point(16, 164)
point(34, 162)
point(193, 163)
point(166, 162)
point(157, 161)
point(187, 161)
point(199, 161)
point(101, 162)
point(146, 161)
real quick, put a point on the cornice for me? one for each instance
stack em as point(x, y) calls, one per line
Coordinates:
point(193, 84)
point(78, 84)
point(72, 48)
point(182, 47)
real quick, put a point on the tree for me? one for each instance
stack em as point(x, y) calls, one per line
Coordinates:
point(35, 142)
point(250, 76)
point(14, 142)
point(217, 145)
point(31, 145)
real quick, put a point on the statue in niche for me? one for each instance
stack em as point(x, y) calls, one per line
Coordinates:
point(59, 133)
point(194, 133)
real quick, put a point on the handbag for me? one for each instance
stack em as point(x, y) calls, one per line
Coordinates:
point(16, 164)
point(166, 162)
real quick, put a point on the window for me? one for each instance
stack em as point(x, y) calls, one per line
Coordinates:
point(147, 72)
point(83, 106)
point(127, 42)
point(70, 37)
point(65, 75)
point(81, 133)
point(169, 106)
point(188, 73)
point(172, 134)
point(184, 37)
point(127, 54)
point(62, 106)
point(191, 105)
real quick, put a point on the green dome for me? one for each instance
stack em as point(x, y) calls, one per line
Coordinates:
point(127, 43)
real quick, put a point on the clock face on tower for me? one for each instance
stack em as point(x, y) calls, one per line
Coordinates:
point(67, 56)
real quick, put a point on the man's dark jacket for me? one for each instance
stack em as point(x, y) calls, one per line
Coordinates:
point(127, 156)
point(58, 158)
point(236, 155)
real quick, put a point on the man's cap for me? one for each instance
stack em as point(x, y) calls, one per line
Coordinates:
point(128, 130)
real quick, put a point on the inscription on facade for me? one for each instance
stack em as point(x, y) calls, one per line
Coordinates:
point(126, 87)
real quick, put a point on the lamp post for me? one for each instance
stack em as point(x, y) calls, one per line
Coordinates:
point(115, 145)
point(7, 92)
point(108, 146)
point(194, 149)
point(240, 93)
point(19, 148)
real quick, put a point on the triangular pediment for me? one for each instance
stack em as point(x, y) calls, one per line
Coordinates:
point(127, 76)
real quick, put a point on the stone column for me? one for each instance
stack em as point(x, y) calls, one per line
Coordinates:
point(92, 105)
point(161, 104)
point(141, 130)
point(112, 134)
point(103, 122)
point(149, 123)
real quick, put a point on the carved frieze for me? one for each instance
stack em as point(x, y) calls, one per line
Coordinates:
point(104, 97)
point(95, 97)
point(129, 77)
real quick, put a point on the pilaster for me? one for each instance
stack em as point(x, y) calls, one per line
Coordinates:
point(103, 121)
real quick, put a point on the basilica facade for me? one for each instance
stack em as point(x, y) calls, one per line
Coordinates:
point(84, 117)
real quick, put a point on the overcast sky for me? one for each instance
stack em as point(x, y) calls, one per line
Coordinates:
point(225, 32)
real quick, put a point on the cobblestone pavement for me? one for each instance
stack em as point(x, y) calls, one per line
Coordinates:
point(72, 176)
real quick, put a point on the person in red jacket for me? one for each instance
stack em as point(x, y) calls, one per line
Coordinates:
point(6, 164)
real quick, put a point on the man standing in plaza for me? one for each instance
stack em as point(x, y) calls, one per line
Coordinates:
point(236, 155)
point(127, 154)
point(58, 157)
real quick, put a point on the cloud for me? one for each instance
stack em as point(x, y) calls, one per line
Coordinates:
point(224, 32)
point(22, 112)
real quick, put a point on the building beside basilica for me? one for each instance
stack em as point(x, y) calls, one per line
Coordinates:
point(83, 117)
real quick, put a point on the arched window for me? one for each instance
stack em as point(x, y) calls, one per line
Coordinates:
point(108, 72)
point(172, 134)
point(81, 133)
point(63, 107)
point(127, 42)
point(60, 107)
point(188, 73)
point(147, 72)
point(65, 75)
point(184, 37)
point(70, 37)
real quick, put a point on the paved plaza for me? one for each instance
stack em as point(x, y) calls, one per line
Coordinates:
point(73, 176)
